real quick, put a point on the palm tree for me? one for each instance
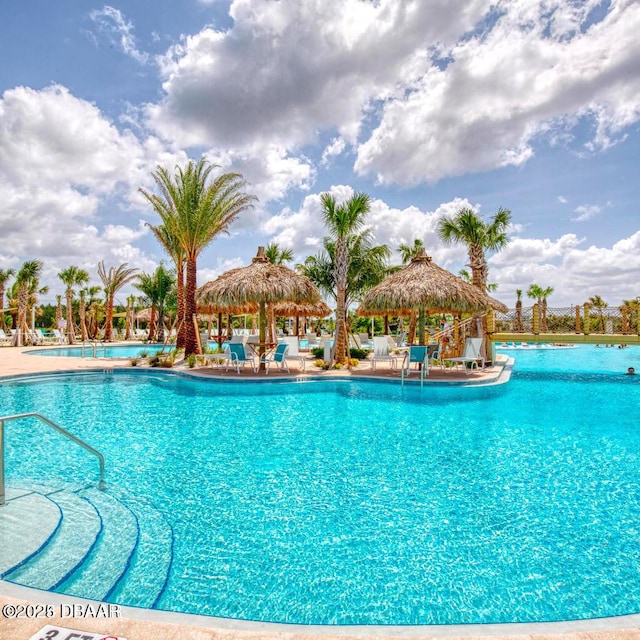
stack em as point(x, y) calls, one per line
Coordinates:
point(342, 222)
point(467, 227)
point(72, 276)
point(600, 304)
point(194, 211)
point(466, 276)
point(156, 287)
point(90, 308)
point(407, 253)
point(5, 274)
point(59, 311)
point(112, 281)
point(26, 286)
point(519, 310)
point(275, 255)
point(171, 245)
point(540, 294)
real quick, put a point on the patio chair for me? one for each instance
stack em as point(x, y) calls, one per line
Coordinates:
point(4, 338)
point(239, 355)
point(400, 338)
point(364, 340)
point(293, 353)
point(58, 336)
point(382, 352)
point(418, 355)
point(279, 356)
point(471, 355)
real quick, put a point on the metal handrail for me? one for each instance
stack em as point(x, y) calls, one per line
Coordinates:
point(101, 483)
point(94, 344)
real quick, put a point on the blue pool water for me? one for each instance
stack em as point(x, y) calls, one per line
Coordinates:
point(349, 502)
point(107, 351)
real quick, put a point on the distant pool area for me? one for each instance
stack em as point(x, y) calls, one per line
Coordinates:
point(365, 503)
point(102, 351)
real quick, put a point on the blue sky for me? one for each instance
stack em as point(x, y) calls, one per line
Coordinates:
point(427, 107)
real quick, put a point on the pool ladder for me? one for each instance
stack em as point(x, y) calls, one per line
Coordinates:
point(101, 483)
point(94, 345)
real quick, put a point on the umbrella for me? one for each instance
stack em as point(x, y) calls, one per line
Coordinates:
point(424, 285)
point(262, 283)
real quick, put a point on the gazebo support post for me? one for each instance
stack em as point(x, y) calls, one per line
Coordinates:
point(219, 332)
point(263, 332)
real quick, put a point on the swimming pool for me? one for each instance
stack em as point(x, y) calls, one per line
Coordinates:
point(352, 502)
point(102, 351)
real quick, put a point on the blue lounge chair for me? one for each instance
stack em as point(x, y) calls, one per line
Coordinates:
point(239, 355)
point(279, 356)
point(418, 355)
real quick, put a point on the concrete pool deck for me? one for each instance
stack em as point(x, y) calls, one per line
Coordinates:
point(143, 624)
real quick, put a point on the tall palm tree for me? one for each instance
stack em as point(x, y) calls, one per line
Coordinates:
point(90, 310)
point(59, 311)
point(26, 287)
point(599, 304)
point(540, 294)
point(112, 281)
point(343, 221)
point(466, 276)
point(407, 253)
point(275, 255)
point(171, 244)
point(5, 274)
point(72, 276)
point(194, 211)
point(468, 227)
point(519, 310)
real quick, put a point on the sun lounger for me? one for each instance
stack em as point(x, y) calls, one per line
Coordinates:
point(471, 355)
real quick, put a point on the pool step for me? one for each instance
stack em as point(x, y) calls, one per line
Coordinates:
point(74, 539)
point(150, 565)
point(87, 543)
point(28, 521)
point(109, 559)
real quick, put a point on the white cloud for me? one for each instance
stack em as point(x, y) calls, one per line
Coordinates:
point(333, 149)
point(562, 200)
point(61, 163)
point(120, 31)
point(286, 70)
point(586, 212)
point(534, 74)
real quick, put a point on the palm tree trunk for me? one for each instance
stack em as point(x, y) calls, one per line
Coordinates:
point(180, 289)
point(3, 326)
point(191, 339)
point(108, 322)
point(341, 267)
point(152, 325)
point(70, 334)
point(83, 320)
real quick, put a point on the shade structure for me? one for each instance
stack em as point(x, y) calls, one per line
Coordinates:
point(423, 285)
point(293, 309)
point(232, 310)
point(261, 283)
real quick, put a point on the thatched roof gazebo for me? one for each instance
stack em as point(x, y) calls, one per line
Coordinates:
point(423, 285)
point(262, 282)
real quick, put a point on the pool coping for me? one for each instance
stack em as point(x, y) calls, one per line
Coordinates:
point(496, 630)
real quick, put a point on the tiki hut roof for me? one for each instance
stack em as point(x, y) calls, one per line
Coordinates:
point(261, 281)
point(292, 309)
point(424, 284)
point(209, 308)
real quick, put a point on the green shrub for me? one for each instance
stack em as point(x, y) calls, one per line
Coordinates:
point(134, 362)
point(191, 360)
point(358, 354)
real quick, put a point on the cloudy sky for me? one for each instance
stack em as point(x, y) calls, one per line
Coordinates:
point(426, 105)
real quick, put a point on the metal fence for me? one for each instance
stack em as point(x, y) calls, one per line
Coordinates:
point(579, 319)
